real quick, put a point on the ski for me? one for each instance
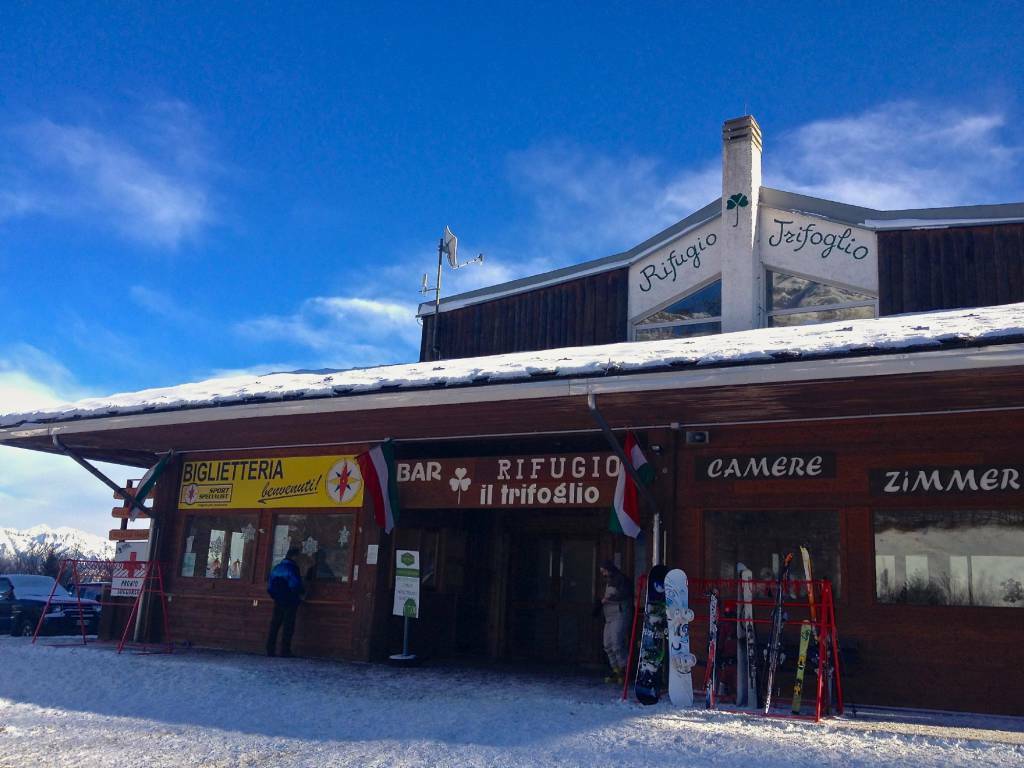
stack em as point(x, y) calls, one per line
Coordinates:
point(647, 686)
point(746, 673)
point(805, 555)
point(681, 660)
point(775, 639)
point(711, 667)
point(801, 665)
point(812, 606)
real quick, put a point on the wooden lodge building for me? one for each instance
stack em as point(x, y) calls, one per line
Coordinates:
point(761, 351)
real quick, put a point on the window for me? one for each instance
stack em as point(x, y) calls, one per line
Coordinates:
point(793, 300)
point(950, 558)
point(698, 313)
point(760, 540)
point(325, 542)
point(219, 547)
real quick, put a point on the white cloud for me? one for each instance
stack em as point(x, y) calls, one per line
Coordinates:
point(44, 488)
point(343, 331)
point(147, 178)
point(162, 305)
point(902, 155)
point(30, 379)
point(589, 204)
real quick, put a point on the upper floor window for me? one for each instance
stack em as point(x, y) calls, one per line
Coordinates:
point(793, 300)
point(698, 313)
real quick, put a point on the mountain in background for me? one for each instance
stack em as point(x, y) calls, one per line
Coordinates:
point(20, 548)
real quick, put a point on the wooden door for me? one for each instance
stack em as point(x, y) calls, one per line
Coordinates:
point(553, 582)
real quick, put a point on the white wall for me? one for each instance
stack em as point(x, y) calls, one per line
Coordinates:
point(747, 239)
point(815, 247)
point(674, 269)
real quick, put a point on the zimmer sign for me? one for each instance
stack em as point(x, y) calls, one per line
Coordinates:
point(547, 481)
point(946, 480)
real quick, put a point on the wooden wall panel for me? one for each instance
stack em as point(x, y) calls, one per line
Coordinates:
point(335, 620)
point(929, 269)
point(896, 644)
point(588, 310)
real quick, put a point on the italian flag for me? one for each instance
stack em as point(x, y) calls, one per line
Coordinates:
point(625, 516)
point(378, 469)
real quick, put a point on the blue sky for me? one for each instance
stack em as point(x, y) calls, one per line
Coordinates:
point(189, 189)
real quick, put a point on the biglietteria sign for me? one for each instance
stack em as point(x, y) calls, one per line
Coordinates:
point(299, 481)
point(559, 481)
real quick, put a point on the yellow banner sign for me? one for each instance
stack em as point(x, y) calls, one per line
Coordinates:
point(298, 481)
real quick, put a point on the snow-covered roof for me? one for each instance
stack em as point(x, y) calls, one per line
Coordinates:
point(890, 335)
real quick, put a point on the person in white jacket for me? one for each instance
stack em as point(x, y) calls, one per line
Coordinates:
point(617, 608)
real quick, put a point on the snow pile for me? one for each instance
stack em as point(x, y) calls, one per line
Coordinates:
point(985, 325)
point(65, 542)
point(89, 707)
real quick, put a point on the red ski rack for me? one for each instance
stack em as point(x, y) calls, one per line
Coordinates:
point(77, 573)
point(803, 601)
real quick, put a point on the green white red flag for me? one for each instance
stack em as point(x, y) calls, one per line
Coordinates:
point(625, 516)
point(378, 469)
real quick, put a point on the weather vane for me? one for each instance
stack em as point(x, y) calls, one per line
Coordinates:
point(448, 246)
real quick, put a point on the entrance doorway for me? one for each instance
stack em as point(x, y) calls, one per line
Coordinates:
point(510, 584)
point(553, 589)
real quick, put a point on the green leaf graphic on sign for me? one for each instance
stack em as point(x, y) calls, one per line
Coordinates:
point(408, 559)
point(737, 201)
point(409, 609)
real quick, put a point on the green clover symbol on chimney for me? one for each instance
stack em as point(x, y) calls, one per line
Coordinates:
point(737, 201)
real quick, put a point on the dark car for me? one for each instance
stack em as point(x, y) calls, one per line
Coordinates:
point(23, 599)
point(93, 590)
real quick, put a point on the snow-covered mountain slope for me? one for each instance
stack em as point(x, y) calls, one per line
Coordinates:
point(65, 541)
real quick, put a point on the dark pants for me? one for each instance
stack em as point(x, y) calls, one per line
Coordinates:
point(284, 615)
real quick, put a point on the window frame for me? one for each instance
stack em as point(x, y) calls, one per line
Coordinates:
point(943, 610)
point(322, 584)
point(247, 577)
point(814, 308)
point(841, 585)
point(637, 323)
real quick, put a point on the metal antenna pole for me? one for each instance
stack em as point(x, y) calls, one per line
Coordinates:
point(437, 299)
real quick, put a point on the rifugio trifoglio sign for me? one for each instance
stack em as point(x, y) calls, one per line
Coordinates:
point(561, 480)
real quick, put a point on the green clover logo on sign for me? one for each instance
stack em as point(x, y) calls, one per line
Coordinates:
point(407, 559)
point(737, 201)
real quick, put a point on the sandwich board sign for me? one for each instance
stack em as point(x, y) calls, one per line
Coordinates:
point(407, 584)
point(129, 568)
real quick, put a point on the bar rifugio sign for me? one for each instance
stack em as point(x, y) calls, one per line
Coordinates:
point(772, 466)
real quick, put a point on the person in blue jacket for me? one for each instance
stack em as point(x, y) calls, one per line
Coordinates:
point(285, 587)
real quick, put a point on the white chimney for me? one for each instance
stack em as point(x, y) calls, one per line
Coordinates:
point(741, 184)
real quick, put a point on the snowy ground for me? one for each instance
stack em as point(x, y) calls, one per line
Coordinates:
point(90, 707)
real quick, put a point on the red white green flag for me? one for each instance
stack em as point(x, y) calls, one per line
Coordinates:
point(378, 469)
point(625, 516)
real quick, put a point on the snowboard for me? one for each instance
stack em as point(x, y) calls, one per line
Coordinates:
point(774, 651)
point(647, 685)
point(746, 643)
point(681, 660)
point(711, 667)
